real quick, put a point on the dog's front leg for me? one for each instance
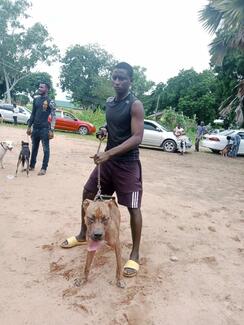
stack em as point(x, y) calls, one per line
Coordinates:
point(2, 164)
point(119, 277)
point(83, 278)
point(89, 258)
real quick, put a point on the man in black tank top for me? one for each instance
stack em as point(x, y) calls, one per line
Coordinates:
point(120, 164)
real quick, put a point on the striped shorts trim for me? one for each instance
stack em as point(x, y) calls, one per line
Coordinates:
point(134, 200)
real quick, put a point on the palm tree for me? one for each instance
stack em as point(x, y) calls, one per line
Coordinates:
point(225, 19)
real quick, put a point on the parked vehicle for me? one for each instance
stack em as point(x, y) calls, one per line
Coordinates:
point(6, 112)
point(68, 122)
point(155, 135)
point(217, 142)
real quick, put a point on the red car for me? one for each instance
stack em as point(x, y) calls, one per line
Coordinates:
point(68, 122)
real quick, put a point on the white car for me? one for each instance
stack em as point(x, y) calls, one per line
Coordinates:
point(155, 135)
point(217, 142)
point(6, 112)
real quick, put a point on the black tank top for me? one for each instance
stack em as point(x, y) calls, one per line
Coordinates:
point(118, 117)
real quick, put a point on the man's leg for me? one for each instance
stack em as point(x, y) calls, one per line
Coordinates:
point(184, 146)
point(35, 146)
point(46, 148)
point(136, 226)
point(197, 144)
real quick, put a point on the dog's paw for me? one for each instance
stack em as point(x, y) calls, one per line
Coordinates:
point(120, 284)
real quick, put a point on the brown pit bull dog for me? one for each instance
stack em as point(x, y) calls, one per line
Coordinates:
point(226, 150)
point(102, 219)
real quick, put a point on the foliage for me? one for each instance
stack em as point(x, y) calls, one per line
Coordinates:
point(140, 84)
point(189, 92)
point(85, 74)
point(29, 85)
point(21, 48)
point(96, 117)
point(225, 18)
point(171, 118)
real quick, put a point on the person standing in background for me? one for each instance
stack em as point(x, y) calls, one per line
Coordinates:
point(42, 130)
point(15, 114)
point(201, 130)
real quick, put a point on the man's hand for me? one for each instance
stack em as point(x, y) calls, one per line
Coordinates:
point(102, 134)
point(101, 157)
point(50, 135)
point(28, 131)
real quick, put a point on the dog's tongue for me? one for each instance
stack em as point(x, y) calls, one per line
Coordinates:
point(94, 245)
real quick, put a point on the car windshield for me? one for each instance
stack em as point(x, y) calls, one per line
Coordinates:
point(161, 126)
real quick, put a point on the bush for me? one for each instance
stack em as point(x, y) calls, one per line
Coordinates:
point(96, 117)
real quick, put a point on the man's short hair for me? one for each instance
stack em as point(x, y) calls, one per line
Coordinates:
point(45, 83)
point(127, 67)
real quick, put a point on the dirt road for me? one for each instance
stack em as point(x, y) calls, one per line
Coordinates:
point(192, 250)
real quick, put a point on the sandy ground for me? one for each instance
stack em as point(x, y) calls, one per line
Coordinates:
point(192, 250)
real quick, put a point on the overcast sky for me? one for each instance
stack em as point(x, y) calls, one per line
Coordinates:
point(162, 36)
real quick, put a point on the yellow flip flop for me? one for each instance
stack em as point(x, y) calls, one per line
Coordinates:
point(72, 242)
point(133, 266)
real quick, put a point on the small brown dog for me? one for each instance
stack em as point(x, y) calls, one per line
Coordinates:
point(102, 219)
point(226, 150)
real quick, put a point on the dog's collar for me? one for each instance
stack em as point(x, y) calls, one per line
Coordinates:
point(102, 197)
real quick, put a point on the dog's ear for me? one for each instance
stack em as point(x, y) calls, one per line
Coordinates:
point(22, 142)
point(112, 202)
point(86, 204)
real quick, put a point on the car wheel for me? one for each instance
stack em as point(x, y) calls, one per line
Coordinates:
point(83, 130)
point(169, 145)
point(215, 151)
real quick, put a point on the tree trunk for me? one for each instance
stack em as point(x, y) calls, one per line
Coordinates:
point(7, 85)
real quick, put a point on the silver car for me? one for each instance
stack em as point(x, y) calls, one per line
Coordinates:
point(6, 112)
point(155, 135)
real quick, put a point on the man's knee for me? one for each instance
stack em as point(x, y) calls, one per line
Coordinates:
point(135, 212)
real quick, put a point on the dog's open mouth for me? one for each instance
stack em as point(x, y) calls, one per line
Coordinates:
point(94, 245)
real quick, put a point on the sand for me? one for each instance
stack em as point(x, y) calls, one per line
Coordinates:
point(192, 248)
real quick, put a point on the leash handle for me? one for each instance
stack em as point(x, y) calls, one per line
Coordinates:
point(99, 188)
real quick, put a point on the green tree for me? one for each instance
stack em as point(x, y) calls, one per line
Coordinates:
point(29, 85)
point(85, 74)
point(225, 19)
point(21, 48)
point(189, 92)
point(140, 84)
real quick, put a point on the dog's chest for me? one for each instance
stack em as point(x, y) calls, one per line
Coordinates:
point(2, 152)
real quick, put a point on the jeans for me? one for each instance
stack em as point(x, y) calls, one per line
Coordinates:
point(197, 142)
point(234, 150)
point(37, 136)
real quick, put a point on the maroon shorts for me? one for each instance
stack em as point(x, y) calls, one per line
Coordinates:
point(121, 177)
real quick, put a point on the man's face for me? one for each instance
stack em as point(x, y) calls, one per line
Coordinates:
point(121, 81)
point(42, 89)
